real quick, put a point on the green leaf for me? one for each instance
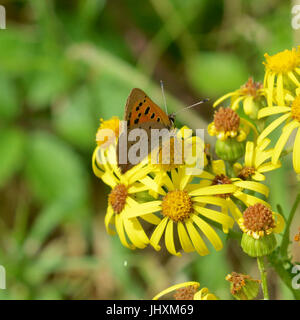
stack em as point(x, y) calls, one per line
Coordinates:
point(110, 94)
point(52, 77)
point(54, 171)
point(17, 54)
point(9, 104)
point(216, 73)
point(74, 120)
point(12, 143)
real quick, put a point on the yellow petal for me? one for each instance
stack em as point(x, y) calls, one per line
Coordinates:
point(249, 154)
point(258, 176)
point(219, 217)
point(223, 98)
point(197, 241)
point(121, 232)
point(280, 223)
point(234, 210)
point(151, 218)
point(175, 178)
point(109, 219)
point(137, 187)
point(152, 185)
point(210, 200)
point(157, 234)
point(204, 294)
point(108, 179)
point(213, 190)
point(293, 78)
point(249, 106)
point(237, 167)
point(218, 167)
point(271, 127)
point(209, 232)
point(279, 90)
point(250, 200)
point(235, 104)
point(296, 153)
point(169, 239)
point(184, 239)
point(266, 167)
point(268, 111)
point(136, 233)
point(254, 186)
point(270, 84)
point(286, 132)
point(207, 175)
point(142, 209)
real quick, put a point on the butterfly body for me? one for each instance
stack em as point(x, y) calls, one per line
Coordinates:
point(141, 113)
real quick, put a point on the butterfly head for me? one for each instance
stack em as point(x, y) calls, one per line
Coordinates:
point(172, 119)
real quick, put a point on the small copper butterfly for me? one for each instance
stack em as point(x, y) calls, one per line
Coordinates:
point(141, 112)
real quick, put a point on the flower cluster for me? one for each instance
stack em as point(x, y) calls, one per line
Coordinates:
point(161, 205)
point(149, 203)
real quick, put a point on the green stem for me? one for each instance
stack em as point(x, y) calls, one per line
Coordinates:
point(263, 274)
point(283, 269)
point(286, 236)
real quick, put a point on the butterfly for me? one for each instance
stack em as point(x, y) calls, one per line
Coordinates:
point(141, 113)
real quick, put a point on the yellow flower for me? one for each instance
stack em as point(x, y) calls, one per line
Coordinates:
point(187, 291)
point(249, 94)
point(182, 147)
point(108, 131)
point(122, 197)
point(255, 162)
point(219, 177)
point(183, 153)
point(227, 124)
point(291, 116)
point(259, 221)
point(182, 207)
point(282, 69)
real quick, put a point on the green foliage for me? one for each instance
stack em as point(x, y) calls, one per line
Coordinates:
point(63, 67)
point(217, 72)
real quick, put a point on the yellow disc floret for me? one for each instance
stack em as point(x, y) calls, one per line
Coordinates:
point(284, 61)
point(177, 205)
point(108, 131)
point(117, 198)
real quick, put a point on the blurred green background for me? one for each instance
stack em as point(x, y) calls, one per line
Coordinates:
point(66, 64)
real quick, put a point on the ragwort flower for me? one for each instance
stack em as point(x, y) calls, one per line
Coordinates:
point(122, 197)
point(181, 207)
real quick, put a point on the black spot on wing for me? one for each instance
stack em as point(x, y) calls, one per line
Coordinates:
point(152, 115)
point(147, 110)
point(136, 121)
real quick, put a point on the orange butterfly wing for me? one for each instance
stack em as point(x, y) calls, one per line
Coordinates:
point(140, 109)
point(141, 112)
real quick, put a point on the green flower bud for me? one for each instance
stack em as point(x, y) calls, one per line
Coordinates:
point(230, 149)
point(258, 247)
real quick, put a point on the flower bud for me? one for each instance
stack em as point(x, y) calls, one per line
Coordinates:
point(230, 149)
point(242, 286)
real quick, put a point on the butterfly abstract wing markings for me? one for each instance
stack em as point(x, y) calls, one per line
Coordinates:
point(141, 112)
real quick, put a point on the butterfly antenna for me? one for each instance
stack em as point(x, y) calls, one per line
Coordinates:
point(193, 105)
point(163, 94)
